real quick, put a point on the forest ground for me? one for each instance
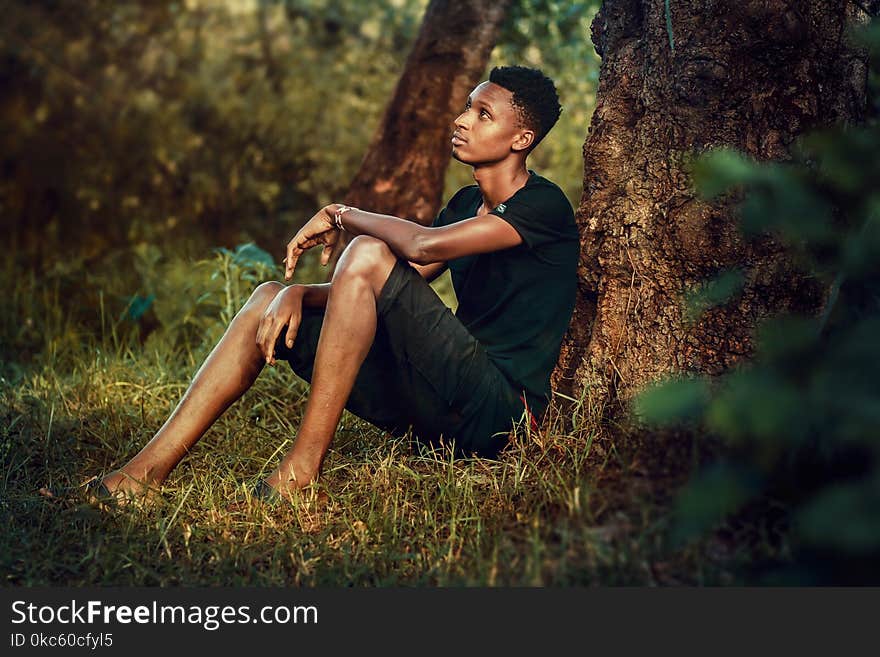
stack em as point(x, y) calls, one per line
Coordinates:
point(565, 506)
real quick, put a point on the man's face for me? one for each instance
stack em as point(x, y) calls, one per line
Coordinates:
point(488, 129)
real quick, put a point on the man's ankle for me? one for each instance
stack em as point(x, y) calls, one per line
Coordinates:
point(122, 479)
point(291, 478)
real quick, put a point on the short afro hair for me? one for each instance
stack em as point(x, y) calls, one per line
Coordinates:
point(534, 97)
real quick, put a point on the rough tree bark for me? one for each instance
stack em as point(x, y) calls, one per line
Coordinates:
point(402, 172)
point(753, 75)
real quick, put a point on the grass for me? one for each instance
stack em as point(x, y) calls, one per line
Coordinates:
point(566, 506)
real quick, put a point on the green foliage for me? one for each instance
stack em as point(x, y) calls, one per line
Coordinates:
point(718, 170)
point(712, 292)
point(160, 121)
point(842, 518)
point(712, 494)
point(193, 302)
point(669, 402)
point(800, 421)
point(205, 123)
point(138, 306)
point(668, 13)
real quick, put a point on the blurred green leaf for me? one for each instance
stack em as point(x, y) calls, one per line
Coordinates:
point(672, 402)
point(138, 306)
point(720, 170)
point(843, 517)
point(759, 406)
point(709, 497)
point(713, 292)
point(250, 254)
point(785, 204)
point(788, 336)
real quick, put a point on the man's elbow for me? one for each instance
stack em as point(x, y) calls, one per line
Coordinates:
point(421, 251)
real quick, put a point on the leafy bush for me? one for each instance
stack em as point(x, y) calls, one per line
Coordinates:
point(801, 420)
point(156, 121)
point(191, 303)
point(227, 121)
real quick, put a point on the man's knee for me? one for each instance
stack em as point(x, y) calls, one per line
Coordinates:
point(264, 293)
point(366, 257)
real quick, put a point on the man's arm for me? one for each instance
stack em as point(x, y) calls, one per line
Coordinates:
point(423, 245)
point(419, 245)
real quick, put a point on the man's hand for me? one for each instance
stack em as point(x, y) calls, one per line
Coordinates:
point(320, 229)
point(284, 310)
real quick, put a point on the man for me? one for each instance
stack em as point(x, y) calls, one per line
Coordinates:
point(377, 339)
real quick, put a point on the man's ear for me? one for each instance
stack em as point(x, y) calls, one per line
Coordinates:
point(525, 139)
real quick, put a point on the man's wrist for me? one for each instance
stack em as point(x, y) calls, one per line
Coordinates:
point(312, 295)
point(335, 211)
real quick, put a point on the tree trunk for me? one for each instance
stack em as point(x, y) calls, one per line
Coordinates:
point(403, 170)
point(752, 75)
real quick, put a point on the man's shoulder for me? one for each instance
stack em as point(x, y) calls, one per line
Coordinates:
point(539, 200)
point(463, 197)
point(457, 206)
point(546, 192)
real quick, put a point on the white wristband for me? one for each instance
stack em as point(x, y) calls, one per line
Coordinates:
point(337, 216)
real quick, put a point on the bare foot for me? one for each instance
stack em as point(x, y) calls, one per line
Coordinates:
point(293, 480)
point(127, 488)
point(263, 493)
point(118, 487)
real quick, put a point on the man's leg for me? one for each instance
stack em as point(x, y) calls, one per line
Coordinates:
point(230, 369)
point(346, 337)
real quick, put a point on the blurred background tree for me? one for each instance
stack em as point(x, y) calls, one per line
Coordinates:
point(402, 171)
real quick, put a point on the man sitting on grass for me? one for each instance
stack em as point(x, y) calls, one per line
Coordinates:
point(377, 340)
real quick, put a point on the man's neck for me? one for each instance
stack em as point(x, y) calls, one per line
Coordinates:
point(498, 182)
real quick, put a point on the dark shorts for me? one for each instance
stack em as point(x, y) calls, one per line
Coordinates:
point(425, 371)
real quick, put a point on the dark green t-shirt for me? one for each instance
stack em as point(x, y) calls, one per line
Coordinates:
point(518, 302)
